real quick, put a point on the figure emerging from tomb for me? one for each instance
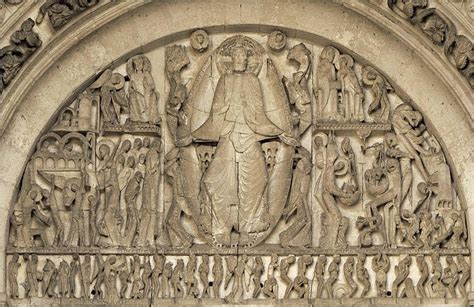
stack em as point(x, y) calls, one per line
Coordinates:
point(12, 275)
point(236, 178)
point(31, 209)
point(225, 159)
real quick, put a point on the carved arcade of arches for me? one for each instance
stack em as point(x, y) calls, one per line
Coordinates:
point(160, 160)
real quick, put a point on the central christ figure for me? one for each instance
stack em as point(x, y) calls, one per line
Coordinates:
point(236, 178)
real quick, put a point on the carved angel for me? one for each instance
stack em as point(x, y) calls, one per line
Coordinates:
point(299, 232)
point(113, 101)
point(297, 88)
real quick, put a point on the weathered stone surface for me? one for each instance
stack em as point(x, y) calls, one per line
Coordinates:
point(255, 165)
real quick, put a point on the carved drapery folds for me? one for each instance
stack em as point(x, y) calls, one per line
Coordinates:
point(265, 156)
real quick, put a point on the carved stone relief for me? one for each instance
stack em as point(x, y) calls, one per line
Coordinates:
point(264, 168)
point(5, 8)
point(23, 43)
point(441, 31)
point(60, 12)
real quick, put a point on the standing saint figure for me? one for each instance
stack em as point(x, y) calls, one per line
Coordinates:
point(351, 90)
point(150, 192)
point(142, 95)
point(327, 86)
point(237, 177)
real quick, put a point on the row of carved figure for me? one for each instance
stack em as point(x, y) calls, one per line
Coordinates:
point(241, 277)
point(123, 102)
point(393, 163)
point(72, 212)
point(127, 175)
point(340, 95)
point(113, 195)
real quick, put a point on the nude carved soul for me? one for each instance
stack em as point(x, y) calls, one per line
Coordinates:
point(261, 169)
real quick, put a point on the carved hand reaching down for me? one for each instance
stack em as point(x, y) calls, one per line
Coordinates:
point(289, 140)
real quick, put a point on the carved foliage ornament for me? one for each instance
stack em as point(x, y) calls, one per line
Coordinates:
point(23, 43)
point(260, 164)
point(441, 31)
point(60, 12)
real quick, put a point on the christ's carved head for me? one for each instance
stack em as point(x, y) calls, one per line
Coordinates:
point(239, 59)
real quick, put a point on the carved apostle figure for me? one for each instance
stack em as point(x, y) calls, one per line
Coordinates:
point(236, 178)
point(327, 85)
point(142, 94)
point(352, 95)
point(150, 192)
